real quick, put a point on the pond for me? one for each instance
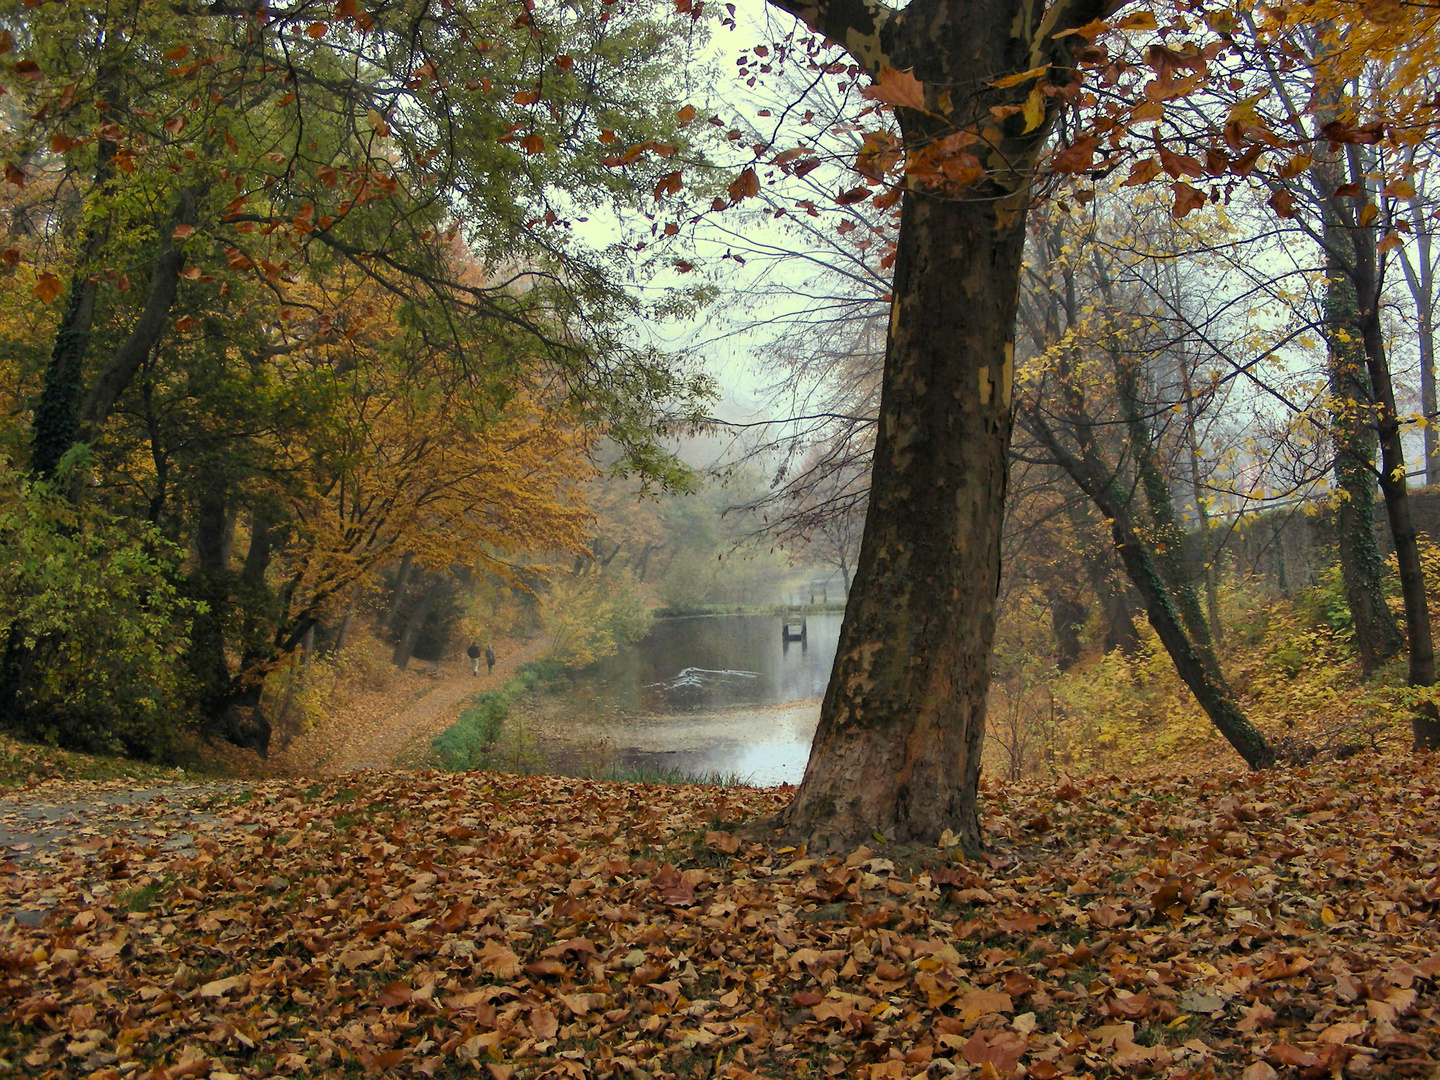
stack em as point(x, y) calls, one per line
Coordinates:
point(702, 695)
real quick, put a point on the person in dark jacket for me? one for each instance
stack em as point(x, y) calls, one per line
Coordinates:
point(489, 659)
point(474, 653)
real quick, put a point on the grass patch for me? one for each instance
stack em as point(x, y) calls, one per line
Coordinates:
point(648, 774)
point(141, 899)
point(23, 764)
point(466, 743)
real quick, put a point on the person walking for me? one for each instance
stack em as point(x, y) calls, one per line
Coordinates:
point(473, 652)
point(489, 659)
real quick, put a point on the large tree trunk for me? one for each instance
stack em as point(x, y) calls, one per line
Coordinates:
point(897, 751)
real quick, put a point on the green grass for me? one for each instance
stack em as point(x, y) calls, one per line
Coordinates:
point(646, 774)
point(465, 743)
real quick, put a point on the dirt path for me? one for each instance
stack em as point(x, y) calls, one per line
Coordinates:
point(374, 738)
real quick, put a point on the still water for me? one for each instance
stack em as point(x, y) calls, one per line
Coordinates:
point(712, 694)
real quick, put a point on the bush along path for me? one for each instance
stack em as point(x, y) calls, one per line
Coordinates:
point(520, 928)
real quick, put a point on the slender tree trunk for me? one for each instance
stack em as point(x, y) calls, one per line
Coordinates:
point(1365, 273)
point(1202, 510)
point(1208, 685)
point(1200, 673)
point(397, 597)
point(1167, 547)
point(1420, 279)
point(1425, 721)
point(1067, 619)
point(1109, 588)
point(1377, 635)
point(416, 622)
point(210, 584)
point(56, 423)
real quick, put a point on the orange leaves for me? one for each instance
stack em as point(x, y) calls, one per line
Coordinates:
point(48, 287)
point(1077, 157)
point(899, 88)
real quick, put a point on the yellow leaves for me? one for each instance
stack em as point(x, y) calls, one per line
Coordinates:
point(1400, 189)
point(377, 123)
point(1368, 213)
point(1295, 166)
point(1034, 109)
point(1020, 77)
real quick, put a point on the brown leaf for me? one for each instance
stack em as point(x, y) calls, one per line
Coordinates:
point(1002, 1050)
point(900, 88)
point(1283, 1053)
point(746, 185)
point(394, 995)
point(1187, 198)
point(980, 1003)
point(543, 1023)
point(498, 960)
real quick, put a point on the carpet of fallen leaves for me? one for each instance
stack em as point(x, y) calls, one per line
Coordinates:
point(525, 927)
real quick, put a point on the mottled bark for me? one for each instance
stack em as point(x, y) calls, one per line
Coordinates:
point(897, 750)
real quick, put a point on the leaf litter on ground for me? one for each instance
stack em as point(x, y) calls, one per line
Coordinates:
point(416, 924)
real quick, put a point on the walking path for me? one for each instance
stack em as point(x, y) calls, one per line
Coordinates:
point(349, 741)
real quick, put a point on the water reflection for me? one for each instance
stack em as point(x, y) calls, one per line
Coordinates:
point(747, 704)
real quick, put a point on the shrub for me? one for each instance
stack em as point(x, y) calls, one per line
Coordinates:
point(93, 627)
